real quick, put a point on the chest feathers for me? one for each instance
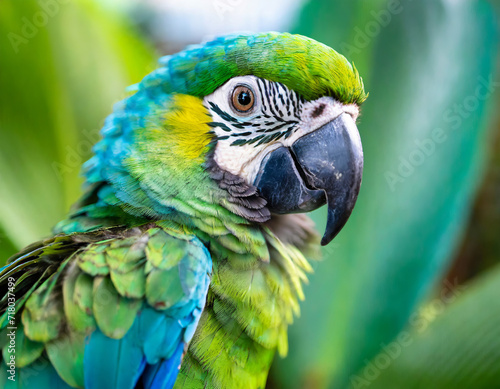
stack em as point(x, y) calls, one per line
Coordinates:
point(250, 304)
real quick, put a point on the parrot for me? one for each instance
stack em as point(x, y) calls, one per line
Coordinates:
point(182, 265)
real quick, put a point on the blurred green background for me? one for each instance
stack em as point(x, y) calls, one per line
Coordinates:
point(407, 296)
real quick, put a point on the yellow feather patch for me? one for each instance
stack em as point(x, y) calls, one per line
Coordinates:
point(187, 121)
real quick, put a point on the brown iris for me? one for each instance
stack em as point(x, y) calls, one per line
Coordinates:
point(243, 98)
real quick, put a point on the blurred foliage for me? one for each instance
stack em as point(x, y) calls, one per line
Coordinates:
point(63, 64)
point(424, 158)
point(460, 349)
point(481, 247)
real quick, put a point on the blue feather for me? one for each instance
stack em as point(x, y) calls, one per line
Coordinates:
point(120, 369)
point(163, 344)
point(163, 374)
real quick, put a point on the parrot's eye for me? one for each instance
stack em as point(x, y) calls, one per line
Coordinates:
point(242, 99)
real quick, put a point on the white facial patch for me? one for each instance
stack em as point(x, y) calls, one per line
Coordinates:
point(278, 118)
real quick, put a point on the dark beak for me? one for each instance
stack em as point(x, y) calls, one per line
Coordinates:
point(324, 166)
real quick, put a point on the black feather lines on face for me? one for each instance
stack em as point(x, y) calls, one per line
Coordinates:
point(279, 116)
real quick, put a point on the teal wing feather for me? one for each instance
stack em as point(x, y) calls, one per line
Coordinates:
point(113, 308)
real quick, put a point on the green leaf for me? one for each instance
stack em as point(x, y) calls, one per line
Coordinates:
point(459, 349)
point(62, 67)
point(424, 158)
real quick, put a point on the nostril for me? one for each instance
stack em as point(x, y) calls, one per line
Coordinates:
point(318, 111)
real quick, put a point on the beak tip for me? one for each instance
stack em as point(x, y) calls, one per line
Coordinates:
point(325, 241)
point(329, 235)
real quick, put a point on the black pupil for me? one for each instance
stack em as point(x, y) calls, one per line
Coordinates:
point(244, 98)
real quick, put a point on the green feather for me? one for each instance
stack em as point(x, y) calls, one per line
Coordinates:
point(166, 297)
point(77, 298)
point(164, 251)
point(113, 313)
point(93, 261)
point(66, 355)
point(44, 313)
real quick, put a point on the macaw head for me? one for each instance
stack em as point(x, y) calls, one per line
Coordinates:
point(256, 125)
